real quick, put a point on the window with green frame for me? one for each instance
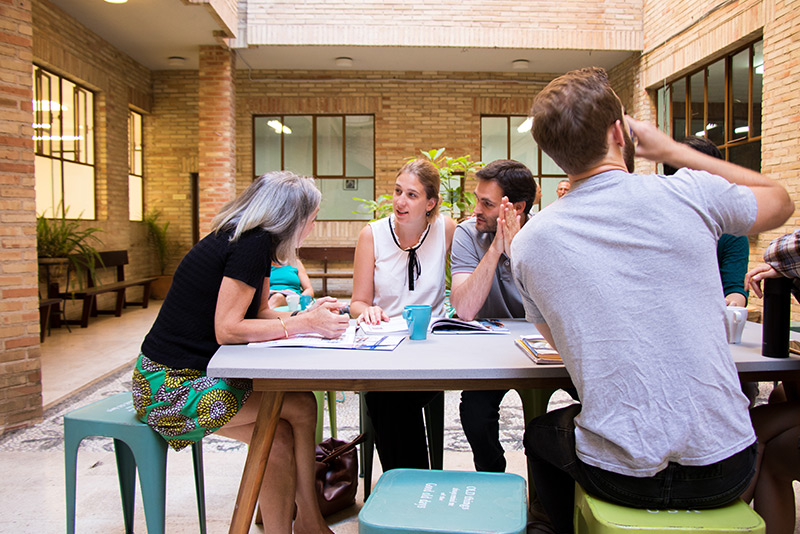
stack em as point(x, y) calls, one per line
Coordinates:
point(64, 146)
point(509, 137)
point(338, 150)
point(135, 167)
point(722, 102)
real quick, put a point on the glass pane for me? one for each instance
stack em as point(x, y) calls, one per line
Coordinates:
point(360, 145)
point(715, 129)
point(549, 186)
point(48, 186)
point(134, 198)
point(758, 77)
point(329, 146)
point(523, 147)
point(69, 132)
point(88, 128)
point(79, 190)
point(697, 88)
point(494, 138)
point(298, 145)
point(136, 144)
point(549, 167)
point(740, 81)
point(747, 155)
point(338, 195)
point(662, 110)
point(679, 109)
point(267, 144)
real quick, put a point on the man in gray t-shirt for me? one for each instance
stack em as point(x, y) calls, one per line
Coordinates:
point(621, 277)
point(482, 286)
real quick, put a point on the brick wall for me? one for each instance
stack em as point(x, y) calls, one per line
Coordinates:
point(605, 24)
point(20, 366)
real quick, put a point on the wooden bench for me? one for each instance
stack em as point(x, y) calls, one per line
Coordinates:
point(47, 307)
point(89, 292)
point(326, 255)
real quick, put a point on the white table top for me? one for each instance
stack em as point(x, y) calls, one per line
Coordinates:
point(445, 358)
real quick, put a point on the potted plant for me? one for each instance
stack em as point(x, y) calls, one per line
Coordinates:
point(62, 241)
point(164, 249)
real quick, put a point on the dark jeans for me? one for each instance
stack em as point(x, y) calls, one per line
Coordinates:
point(550, 448)
point(400, 427)
point(480, 419)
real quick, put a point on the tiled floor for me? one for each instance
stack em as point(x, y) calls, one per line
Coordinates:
point(32, 493)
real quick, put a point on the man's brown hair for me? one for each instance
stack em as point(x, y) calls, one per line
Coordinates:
point(571, 117)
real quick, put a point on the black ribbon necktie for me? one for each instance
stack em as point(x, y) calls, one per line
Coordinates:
point(414, 267)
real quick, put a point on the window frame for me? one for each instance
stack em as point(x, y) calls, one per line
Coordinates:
point(132, 156)
point(731, 141)
point(87, 157)
point(314, 167)
point(538, 174)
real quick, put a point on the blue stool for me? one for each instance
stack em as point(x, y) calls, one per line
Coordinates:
point(596, 516)
point(417, 501)
point(135, 445)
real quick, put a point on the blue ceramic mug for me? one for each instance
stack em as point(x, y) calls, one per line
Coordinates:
point(418, 317)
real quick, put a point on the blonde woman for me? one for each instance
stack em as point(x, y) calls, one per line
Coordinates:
point(400, 260)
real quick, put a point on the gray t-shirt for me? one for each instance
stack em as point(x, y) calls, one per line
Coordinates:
point(468, 248)
point(623, 270)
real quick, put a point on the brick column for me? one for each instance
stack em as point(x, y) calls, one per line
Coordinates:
point(20, 364)
point(217, 146)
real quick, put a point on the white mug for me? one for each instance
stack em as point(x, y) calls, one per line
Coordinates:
point(735, 318)
point(293, 301)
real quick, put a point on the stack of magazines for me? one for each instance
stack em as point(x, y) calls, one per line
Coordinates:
point(538, 350)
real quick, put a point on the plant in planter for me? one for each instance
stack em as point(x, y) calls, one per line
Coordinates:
point(164, 249)
point(62, 241)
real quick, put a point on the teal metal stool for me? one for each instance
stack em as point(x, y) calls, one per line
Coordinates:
point(596, 516)
point(135, 445)
point(416, 501)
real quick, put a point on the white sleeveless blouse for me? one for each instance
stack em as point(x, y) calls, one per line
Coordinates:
point(390, 282)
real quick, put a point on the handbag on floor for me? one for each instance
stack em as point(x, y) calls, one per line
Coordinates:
point(336, 474)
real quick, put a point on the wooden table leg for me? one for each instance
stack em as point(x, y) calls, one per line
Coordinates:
point(257, 454)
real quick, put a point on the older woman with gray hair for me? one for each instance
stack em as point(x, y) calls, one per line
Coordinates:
point(219, 295)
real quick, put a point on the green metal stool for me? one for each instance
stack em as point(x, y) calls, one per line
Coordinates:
point(596, 516)
point(320, 395)
point(136, 445)
point(418, 501)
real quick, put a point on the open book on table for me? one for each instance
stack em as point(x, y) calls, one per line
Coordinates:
point(351, 339)
point(538, 350)
point(439, 325)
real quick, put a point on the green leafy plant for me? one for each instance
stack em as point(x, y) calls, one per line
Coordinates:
point(377, 208)
point(65, 238)
point(157, 237)
point(457, 202)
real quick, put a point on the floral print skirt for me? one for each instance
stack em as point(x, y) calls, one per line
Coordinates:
point(185, 405)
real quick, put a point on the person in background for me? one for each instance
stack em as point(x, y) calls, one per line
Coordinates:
point(563, 188)
point(733, 252)
point(645, 346)
point(482, 286)
point(285, 279)
point(400, 260)
point(777, 424)
point(219, 295)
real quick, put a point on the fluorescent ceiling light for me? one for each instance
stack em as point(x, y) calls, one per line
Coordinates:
point(526, 125)
point(278, 127)
point(741, 129)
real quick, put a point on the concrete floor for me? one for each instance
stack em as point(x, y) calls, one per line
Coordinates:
point(84, 365)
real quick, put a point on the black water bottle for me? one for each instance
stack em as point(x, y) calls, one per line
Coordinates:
point(777, 312)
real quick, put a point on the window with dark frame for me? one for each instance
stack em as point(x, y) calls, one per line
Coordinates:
point(722, 101)
point(135, 167)
point(64, 147)
point(509, 137)
point(338, 150)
